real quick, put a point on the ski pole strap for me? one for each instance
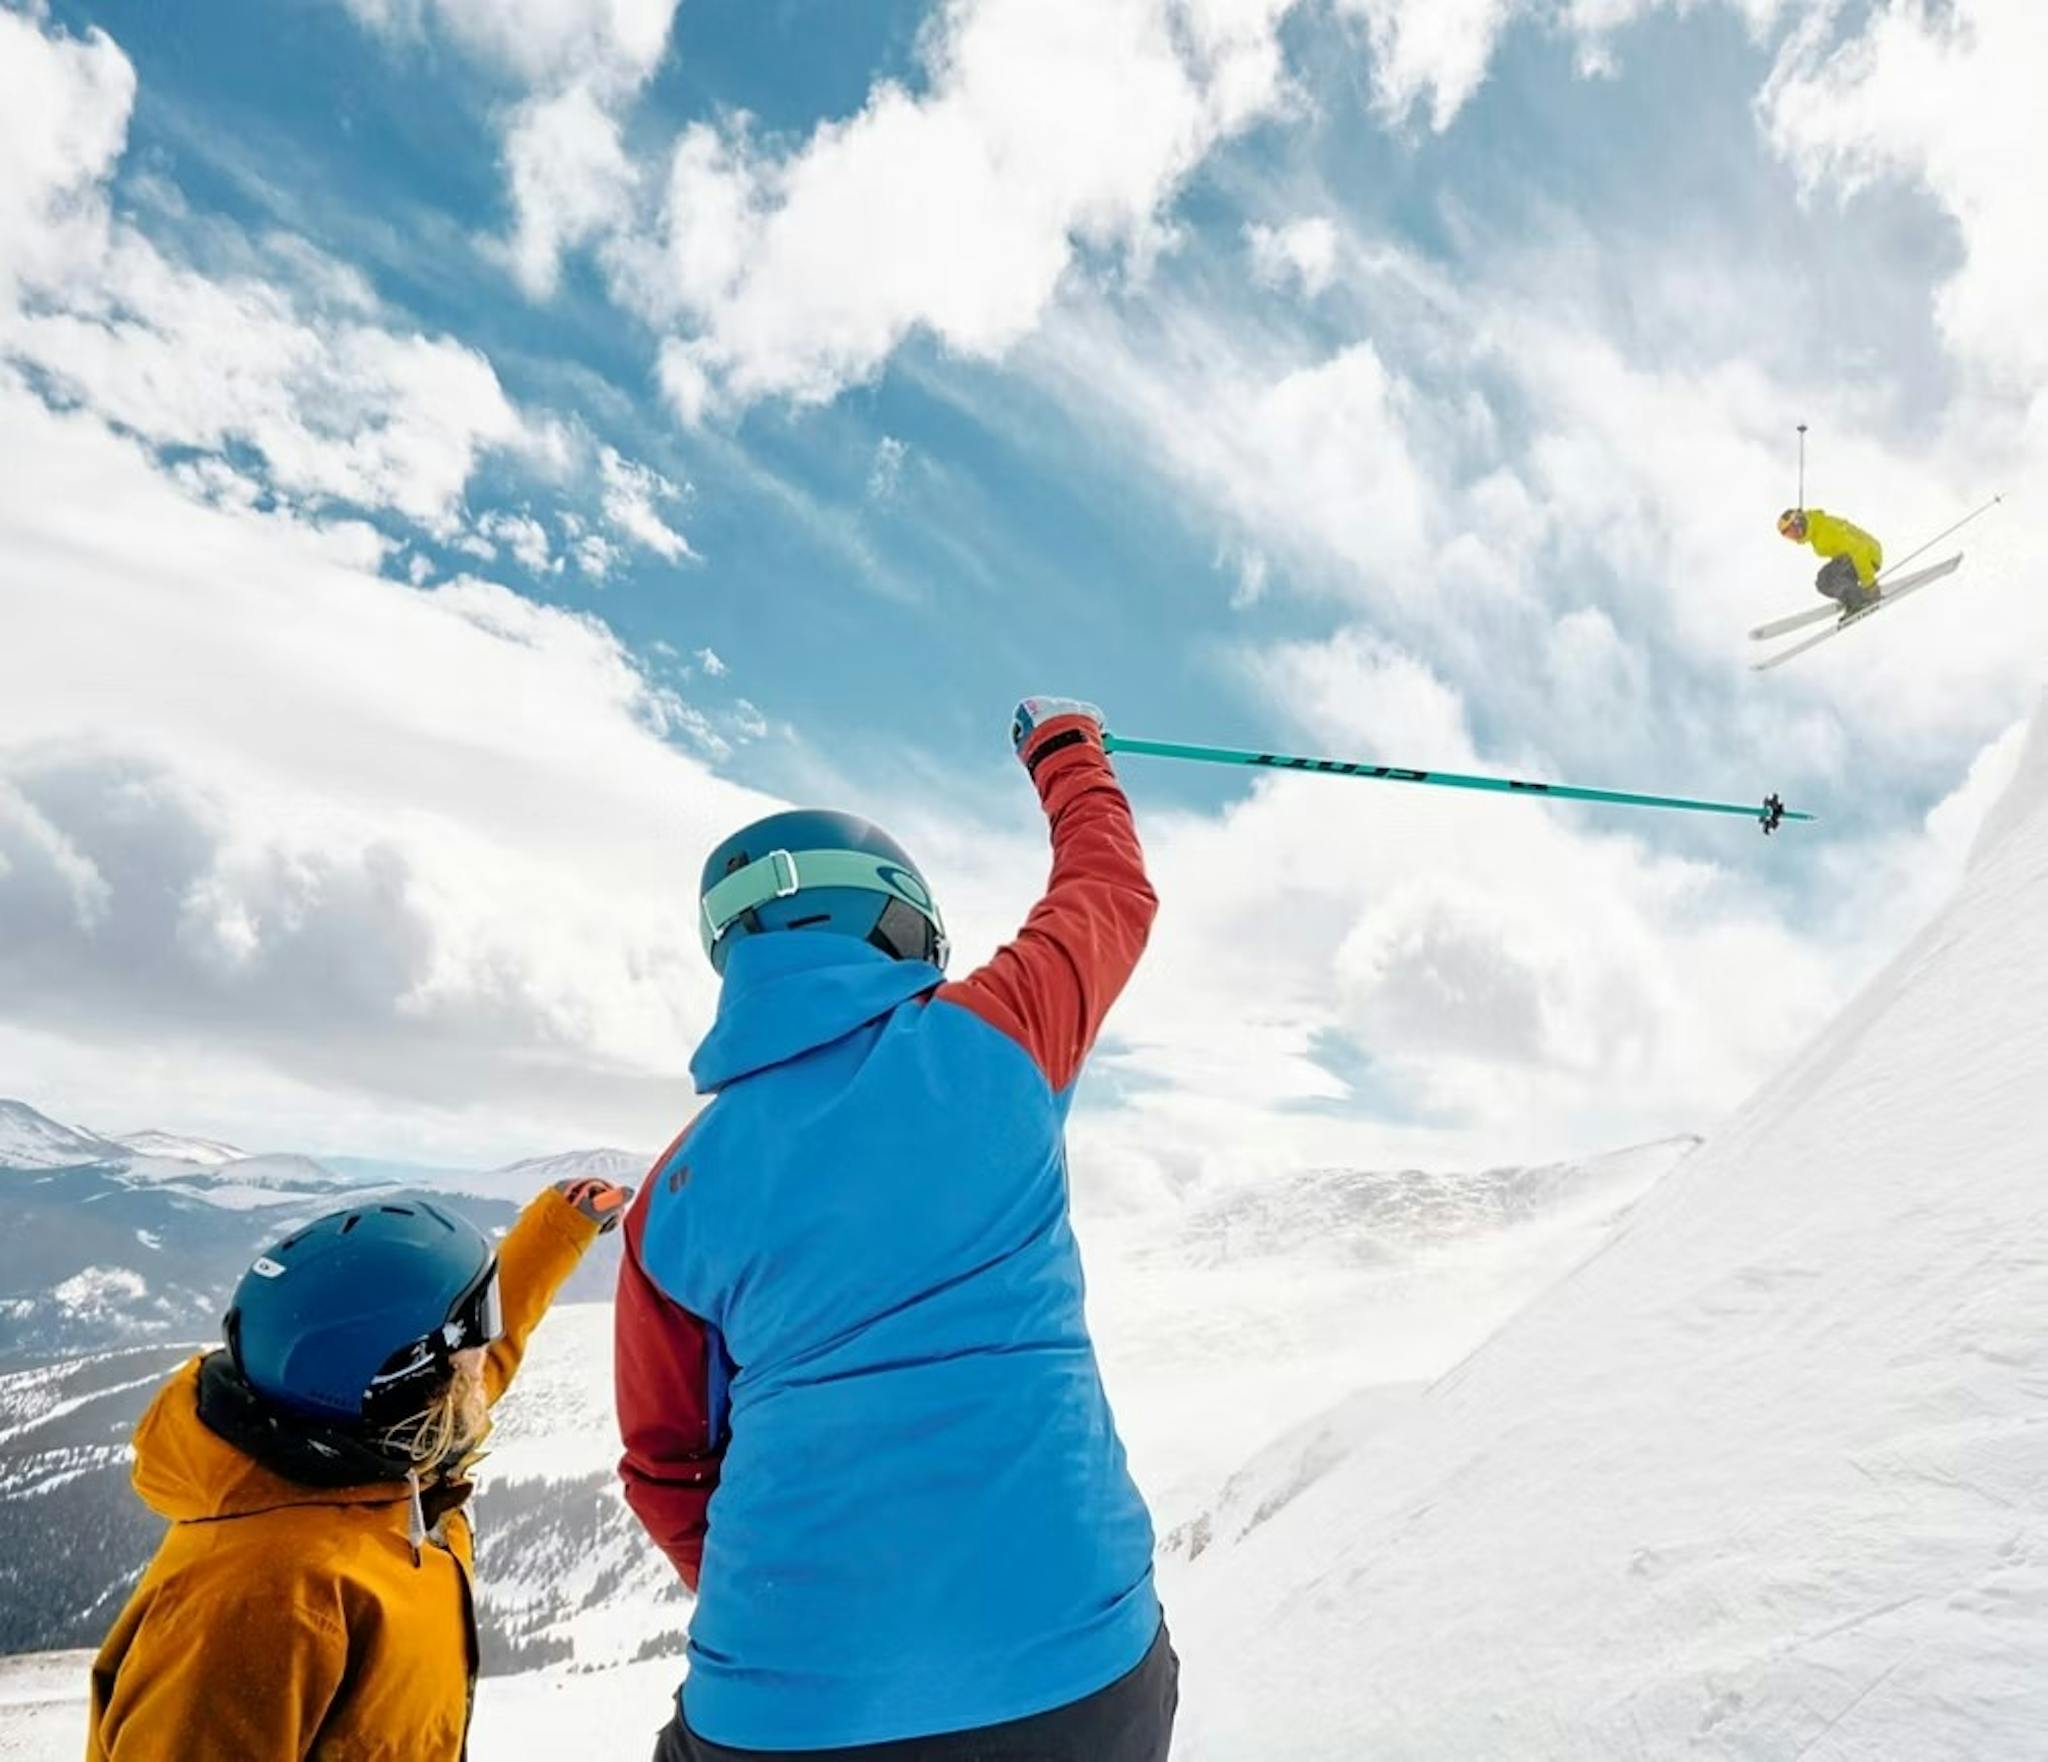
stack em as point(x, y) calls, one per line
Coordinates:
point(1770, 815)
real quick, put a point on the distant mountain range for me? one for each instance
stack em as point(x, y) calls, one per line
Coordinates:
point(117, 1240)
point(117, 1254)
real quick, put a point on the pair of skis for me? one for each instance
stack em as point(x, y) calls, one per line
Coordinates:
point(1887, 593)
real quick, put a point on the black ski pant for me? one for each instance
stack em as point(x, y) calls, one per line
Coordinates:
point(1839, 581)
point(1130, 1721)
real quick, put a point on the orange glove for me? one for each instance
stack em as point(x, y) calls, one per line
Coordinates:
point(602, 1202)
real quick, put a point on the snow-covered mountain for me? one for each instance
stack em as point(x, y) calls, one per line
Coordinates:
point(1762, 1478)
point(535, 1172)
point(110, 1242)
point(31, 1140)
point(177, 1148)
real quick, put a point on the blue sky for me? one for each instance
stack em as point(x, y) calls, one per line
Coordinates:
point(772, 392)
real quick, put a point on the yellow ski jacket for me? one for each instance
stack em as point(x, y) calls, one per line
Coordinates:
point(281, 1623)
point(1832, 536)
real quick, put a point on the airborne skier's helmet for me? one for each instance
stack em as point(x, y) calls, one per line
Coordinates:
point(1792, 523)
point(814, 869)
point(356, 1317)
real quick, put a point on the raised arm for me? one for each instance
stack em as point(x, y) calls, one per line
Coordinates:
point(667, 1366)
point(1051, 988)
point(538, 1253)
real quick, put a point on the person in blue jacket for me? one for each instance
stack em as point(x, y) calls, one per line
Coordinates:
point(860, 1406)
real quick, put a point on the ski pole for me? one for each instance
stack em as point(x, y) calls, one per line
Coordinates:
point(1802, 467)
point(1771, 815)
point(1939, 536)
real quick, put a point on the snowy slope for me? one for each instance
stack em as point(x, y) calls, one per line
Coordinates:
point(1762, 1478)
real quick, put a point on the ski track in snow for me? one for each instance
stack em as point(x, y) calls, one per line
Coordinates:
point(1759, 1477)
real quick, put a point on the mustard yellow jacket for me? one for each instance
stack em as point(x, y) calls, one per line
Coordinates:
point(280, 1621)
point(1832, 536)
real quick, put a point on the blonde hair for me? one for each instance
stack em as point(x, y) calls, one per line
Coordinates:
point(452, 1424)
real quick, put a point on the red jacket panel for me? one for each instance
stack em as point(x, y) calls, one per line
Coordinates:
point(663, 1366)
point(1051, 987)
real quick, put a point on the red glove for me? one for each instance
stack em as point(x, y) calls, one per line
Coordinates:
point(602, 1202)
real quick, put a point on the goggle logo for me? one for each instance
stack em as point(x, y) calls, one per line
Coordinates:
point(904, 882)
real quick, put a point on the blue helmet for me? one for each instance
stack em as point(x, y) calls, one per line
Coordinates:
point(813, 869)
point(355, 1318)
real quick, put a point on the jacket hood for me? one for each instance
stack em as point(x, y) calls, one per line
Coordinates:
point(186, 1471)
point(789, 992)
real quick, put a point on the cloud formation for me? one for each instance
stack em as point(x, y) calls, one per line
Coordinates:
point(1046, 129)
point(293, 367)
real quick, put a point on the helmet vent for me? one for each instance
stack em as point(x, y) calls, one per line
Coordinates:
point(349, 1223)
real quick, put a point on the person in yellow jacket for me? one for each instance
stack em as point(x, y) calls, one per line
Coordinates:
point(312, 1599)
point(1853, 556)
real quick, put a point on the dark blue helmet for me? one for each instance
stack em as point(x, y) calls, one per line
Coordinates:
point(813, 869)
point(356, 1317)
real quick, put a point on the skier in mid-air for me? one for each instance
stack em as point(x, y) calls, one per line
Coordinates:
point(860, 1406)
point(1854, 558)
point(312, 1597)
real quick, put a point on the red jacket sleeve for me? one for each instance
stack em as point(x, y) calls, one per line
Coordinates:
point(668, 1414)
point(1051, 988)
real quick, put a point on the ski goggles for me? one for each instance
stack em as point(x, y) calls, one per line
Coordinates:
point(477, 1317)
point(415, 1372)
point(1792, 524)
point(782, 873)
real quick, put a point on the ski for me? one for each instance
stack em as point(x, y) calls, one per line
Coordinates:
point(1893, 590)
point(1798, 621)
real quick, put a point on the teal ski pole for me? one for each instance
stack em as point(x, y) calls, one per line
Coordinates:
point(1772, 814)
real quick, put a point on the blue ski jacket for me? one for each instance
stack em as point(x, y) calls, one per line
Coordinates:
point(859, 1401)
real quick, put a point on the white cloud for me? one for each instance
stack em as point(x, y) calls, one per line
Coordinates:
point(337, 407)
point(1315, 458)
point(1947, 97)
point(1436, 50)
point(583, 62)
point(631, 491)
point(266, 812)
point(348, 411)
point(885, 474)
point(570, 178)
point(64, 106)
point(540, 42)
point(1303, 252)
point(1049, 127)
point(524, 537)
point(709, 660)
point(1439, 52)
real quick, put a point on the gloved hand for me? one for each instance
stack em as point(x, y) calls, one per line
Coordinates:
point(602, 1202)
point(1034, 712)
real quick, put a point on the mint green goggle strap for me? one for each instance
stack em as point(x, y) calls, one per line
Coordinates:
point(782, 873)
